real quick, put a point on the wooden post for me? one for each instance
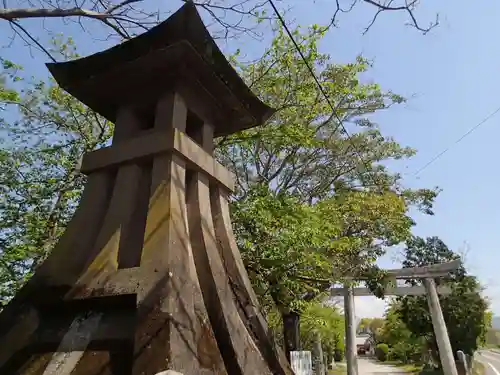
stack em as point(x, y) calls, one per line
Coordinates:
point(462, 359)
point(443, 341)
point(427, 273)
point(350, 331)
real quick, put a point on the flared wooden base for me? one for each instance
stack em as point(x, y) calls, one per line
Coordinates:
point(147, 276)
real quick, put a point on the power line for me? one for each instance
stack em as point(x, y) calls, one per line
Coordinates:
point(341, 124)
point(322, 90)
point(465, 135)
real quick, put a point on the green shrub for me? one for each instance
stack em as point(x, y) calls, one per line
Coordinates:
point(478, 368)
point(338, 355)
point(381, 352)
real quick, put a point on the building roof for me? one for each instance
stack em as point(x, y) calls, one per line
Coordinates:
point(179, 49)
point(361, 340)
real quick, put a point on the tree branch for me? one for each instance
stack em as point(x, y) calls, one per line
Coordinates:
point(19, 13)
point(408, 7)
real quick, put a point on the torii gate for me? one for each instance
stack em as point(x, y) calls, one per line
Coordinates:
point(427, 274)
point(147, 276)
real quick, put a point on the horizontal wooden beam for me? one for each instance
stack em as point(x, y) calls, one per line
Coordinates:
point(426, 272)
point(153, 142)
point(392, 291)
point(147, 144)
point(430, 271)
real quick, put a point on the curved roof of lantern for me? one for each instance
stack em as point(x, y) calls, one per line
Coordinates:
point(178, 49)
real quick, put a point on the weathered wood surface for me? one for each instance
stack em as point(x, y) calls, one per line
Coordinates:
point(159, 142)
point(425, 272)
point(79, 334)
point(168, 245)
point(217, 290)
point(430, 271)
point(393, 291)
point(148, 276)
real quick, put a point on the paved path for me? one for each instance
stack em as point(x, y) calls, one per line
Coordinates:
point(368, 366)
point(491, 360)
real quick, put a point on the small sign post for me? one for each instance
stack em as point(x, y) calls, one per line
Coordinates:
point(301, 362)
point(462, 358)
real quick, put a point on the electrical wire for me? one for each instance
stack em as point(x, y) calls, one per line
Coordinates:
point(341, 124)
point(322, 90)
point(465, 135)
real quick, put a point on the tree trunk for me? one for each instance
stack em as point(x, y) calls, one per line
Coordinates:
point(291, 332)
point(318, 355)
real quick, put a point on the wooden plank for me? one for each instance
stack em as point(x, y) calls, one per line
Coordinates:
point(112, 326)
point(393, 291)
point(120, 210)
point(241, 354)
point(147, 144)
point(156, 142)
point(178, 327)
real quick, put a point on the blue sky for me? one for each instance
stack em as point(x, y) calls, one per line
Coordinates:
point(451, 77)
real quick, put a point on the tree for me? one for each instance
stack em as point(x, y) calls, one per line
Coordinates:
point(317, 317)
point(130, 17)
point(371, 326)
point(493, 338)
point(403, 345)
point(305, 150)
point(311, 199)
point(464, 310)
point(326, 321)
point(346, 205)
point(291, 248)
point(382, 352)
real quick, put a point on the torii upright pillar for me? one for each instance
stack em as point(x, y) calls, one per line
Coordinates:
point(147, 276)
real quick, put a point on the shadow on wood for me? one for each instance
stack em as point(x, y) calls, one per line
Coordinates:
point(147, 276)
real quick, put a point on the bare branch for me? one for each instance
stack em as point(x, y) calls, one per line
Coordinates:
point(126, 18)
point(408, 7)
point(30, 37)
point(121, 5)
point(19, 13)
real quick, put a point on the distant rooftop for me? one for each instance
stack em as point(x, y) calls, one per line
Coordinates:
point(361, 340)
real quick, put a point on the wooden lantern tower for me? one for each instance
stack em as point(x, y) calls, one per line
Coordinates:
point(147, 276)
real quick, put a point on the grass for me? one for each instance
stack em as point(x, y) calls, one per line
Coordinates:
point(413, 369)
point(410, 368)
point(338, 371)
point(478, 368)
